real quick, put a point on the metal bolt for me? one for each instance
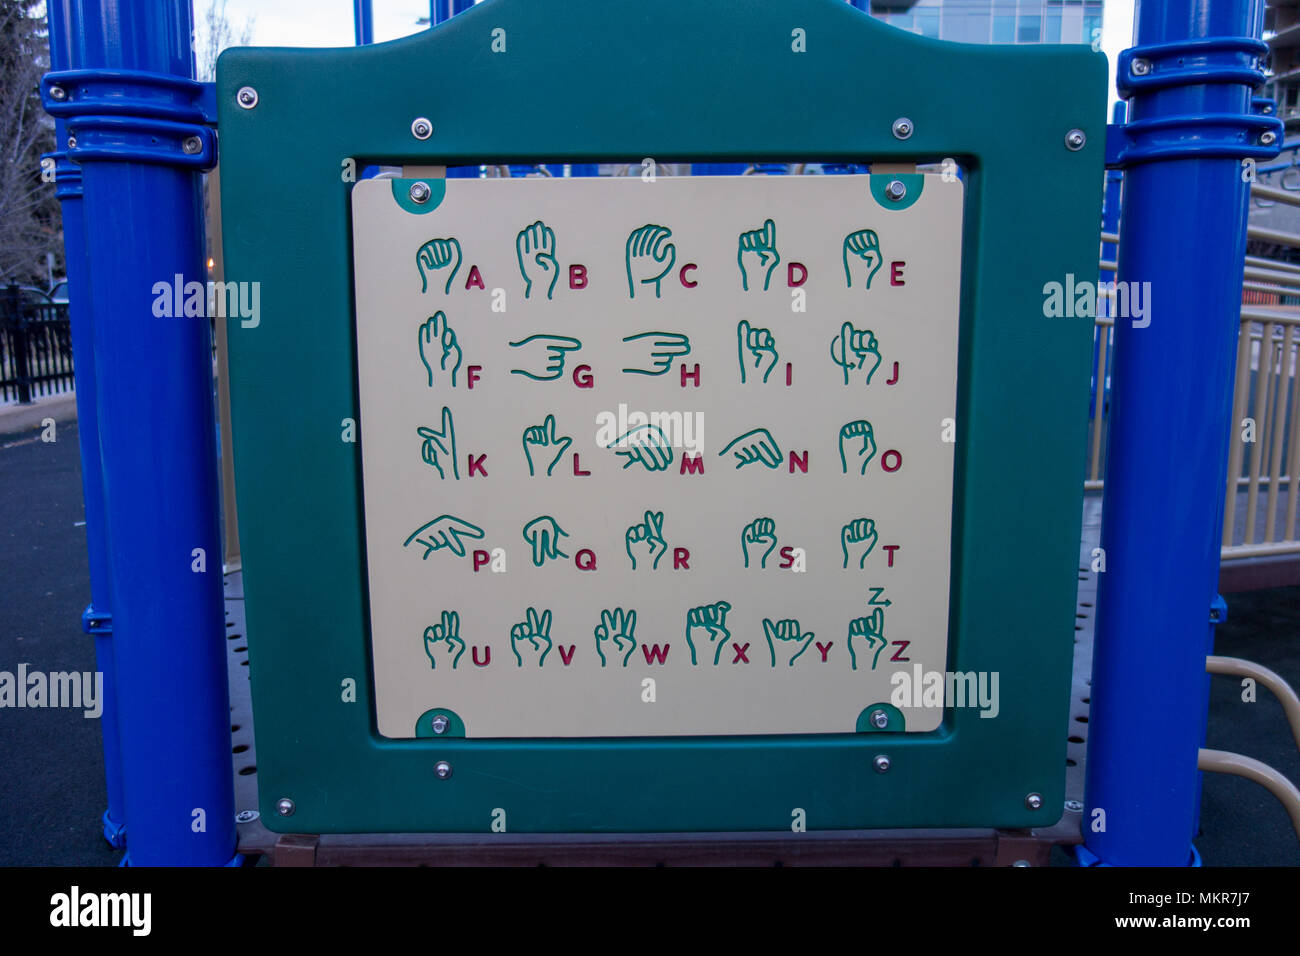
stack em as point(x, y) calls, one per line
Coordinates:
point(1022, 863)
point(1075, 139)
point(881, 763)
point(1141, 67)
point(1268, 137)
point(246, 97)
point(1074, 805)
point(284, 806)
point(246, 816)
point(440, 721)
point(902, 127)
point(192, 145)
point(420, 193)
point(72, 142)
point(1034, 801)
point(895, 190)
point(422, 128)
point(442, 770)
point(879, 719)
point(58, 93)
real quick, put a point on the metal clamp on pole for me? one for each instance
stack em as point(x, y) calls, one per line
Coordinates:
point(96, 623)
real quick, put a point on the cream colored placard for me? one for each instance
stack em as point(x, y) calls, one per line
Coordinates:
point(467, 353)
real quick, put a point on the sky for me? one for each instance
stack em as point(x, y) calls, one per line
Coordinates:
point(329, 22)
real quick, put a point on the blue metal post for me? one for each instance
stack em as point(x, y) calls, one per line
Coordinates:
point(97, 618)
point(363, 22)
point(136, 128)
point(1189, 80)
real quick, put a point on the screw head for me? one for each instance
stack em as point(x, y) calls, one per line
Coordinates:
point(879, 719)
point(1268, 137)
point(895, 191)
point(440, 721)
point(246, 97)
point(881, 763)
point(58, 93)
point(1074, 805)
point(902, 127)
point(420, 193)
point(1034, 801)
point(1141, 67)
point(192, 145)
point(246, 816)
point(442, 770)
point(285, 807)
point(421, 128)
point(1075, 139)
point(72, 142)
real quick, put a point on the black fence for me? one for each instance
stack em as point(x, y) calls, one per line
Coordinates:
point(35, 346)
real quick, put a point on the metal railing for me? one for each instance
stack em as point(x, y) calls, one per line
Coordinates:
point(35, 347)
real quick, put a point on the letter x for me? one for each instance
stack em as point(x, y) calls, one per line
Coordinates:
point(740, 653)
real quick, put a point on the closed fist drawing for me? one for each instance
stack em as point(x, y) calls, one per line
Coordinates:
point(437, 255)
point(857, 446)
point(706, 631)
point(757, 541)
point(650, 256)
point(857, 539)
point(861, 257)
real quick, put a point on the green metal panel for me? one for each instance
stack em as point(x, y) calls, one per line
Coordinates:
point(680, 80)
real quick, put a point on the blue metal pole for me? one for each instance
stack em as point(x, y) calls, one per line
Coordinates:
point(97, 618)
point(1189, 80)
point(137, 129)
point(363, 22)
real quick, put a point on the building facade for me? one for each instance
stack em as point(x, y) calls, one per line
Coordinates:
point(995, 21)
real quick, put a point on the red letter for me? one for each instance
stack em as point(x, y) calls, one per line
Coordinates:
point(681, 274)
point(902, 646)
point(475, 279)
point(577, 468)
point(894, 380)
point(587, 563)
point(566, 657)
point(471, 374)
point(891, 548)
point(654, 653)
point(487, 655)
point(884, 461)
point(577, 276)
point(476, 464)
point(789, 374)
point(896, 272)
point(681, 558)
point(582, 377)
point(481, 558)
point(691, 375)
point(825, 649)
point(802, 463)
point(789, 274)
point(740, 653)
point(691, 465)
point(787, 557)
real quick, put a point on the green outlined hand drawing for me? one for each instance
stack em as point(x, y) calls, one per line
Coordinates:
point(757, 255)
point(659, 348)
point(650, 257)
point(755, 446)
point(440, 446)
point(757, 346)
point(785, 641)
point(857, 445)
point(858, 350)
point(646, 539)
point(437, 254)
point(543, 536)
point(535, 248)
point(615, 636)
point(757, 541)
point(547, 355)
point(647, 445)
point(443, 639)
point(443, 532)
point(871, 632)
point(862, 255)
point(541, 442)
point(857, 540)
point(439, 350)
point(706, 631)
point(531, 638)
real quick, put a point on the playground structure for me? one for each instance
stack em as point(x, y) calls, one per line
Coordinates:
point(138, 131)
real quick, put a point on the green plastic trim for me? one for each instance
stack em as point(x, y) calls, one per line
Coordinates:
point(897, 722)
point(455, 726)
point(402, 193)
point(912, 182)
point(1033, 206)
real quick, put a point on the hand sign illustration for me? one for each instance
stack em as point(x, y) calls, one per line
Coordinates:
point(650, 256)
point(756, 346)
point(535, 247)
point(757, 255)
point(871, 632)
point(440, 446)
point(444, 531)
point(615, 640)
point(443, 640)
point(785, 641)
point(662, 347)
point(757, 541)
point(545, 354)
point(438, 254)
point(857, 350)
point(646, 444)
point(543, 536)
point(706, 631)
point(439, 350)
point(531, 638)
point(857, 443)
point(861, 255)
point(646, 540)
point(857, 539)
point(542, 442)
point(755, 446)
